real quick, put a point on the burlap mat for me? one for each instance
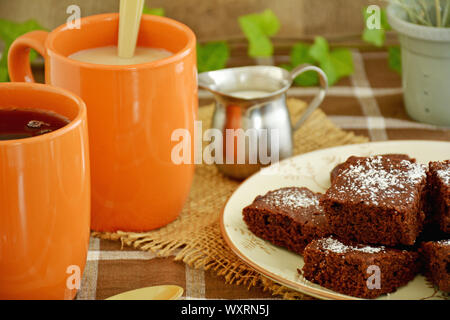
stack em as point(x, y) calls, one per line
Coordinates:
point(195, 237)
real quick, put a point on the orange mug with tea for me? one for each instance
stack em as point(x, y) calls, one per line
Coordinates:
point(133, 111)
point(44, 192)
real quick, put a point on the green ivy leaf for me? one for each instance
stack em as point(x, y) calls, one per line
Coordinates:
point(342, 61)
point(336, 64)
point(9, 31)
point(376, 37)
point(4, 74)
point(300, 55)
point(320, 49)
point(268, 22)
point(212, 56)
point(395, 59)
point(258, 28)
point(154, 11)
point(330, 70)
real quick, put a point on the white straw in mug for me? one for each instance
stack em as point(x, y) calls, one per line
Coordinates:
point(129, 22)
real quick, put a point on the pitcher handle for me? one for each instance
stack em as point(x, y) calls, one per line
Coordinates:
point(18, 57)
point(323, 80)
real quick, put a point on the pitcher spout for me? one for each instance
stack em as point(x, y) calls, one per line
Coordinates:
point(206, 81)
point(267, 80)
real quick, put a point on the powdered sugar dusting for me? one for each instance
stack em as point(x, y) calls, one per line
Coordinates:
point(444, 174)
point(291, 198)
point(377, 179)
point(444, 242)
point(336, 246)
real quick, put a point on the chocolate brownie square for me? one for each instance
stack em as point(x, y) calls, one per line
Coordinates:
point(352, 159)
point(288, 217)
point(438, 181)
point(435, 256)
point(377, 200)
point(358, 270)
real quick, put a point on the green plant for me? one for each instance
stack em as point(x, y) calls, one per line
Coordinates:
point(9, 31)
point(300, 55)
point(258, 28)
point(336, 64)
point(212, 56)
point(431, 13)
point(395, 59)
point(377, 38)
point(154, 11)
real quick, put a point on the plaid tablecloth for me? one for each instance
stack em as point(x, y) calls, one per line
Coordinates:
point(368, 103)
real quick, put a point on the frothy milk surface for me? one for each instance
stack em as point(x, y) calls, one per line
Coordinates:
point(249, 94)
point(108, 55)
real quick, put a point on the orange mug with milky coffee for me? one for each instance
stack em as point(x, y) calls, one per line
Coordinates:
point(132, 110)
point(44, 199)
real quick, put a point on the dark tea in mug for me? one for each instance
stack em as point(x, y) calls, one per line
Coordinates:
point(17, 123)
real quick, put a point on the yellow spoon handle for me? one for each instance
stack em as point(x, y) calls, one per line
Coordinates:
point(163, 292)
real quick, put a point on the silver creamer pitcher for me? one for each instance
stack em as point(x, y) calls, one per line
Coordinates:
point(252, 100)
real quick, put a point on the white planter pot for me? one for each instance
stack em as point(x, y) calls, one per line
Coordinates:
point(425, 68)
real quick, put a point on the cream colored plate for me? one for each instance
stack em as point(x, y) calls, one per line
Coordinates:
point(312, 170)
point(165, 292)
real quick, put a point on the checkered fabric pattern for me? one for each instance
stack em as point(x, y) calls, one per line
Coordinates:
point(369, 103)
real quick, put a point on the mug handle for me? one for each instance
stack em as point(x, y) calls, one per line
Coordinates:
point(323, 80)
point(19, 52)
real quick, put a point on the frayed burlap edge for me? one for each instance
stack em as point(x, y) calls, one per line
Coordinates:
point(195, 237)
